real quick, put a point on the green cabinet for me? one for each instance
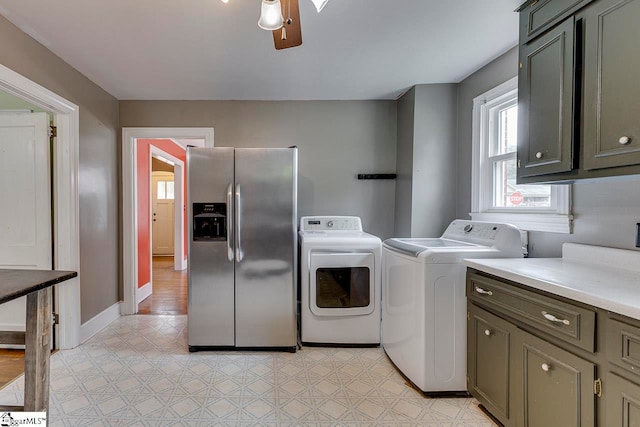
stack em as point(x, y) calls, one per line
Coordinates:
point(623, 402)
point(612, 92)
point(540, 15)
point(557, 386)
point(578, 94)
point(622, 383)
point(546, 95)
point(523, 380)
point(531, 374)
point(528, 373)
point(489, 340)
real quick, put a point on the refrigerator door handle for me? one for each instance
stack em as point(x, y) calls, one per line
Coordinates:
point(238, 212)
point(230, 222)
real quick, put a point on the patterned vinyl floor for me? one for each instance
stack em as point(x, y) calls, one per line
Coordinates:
point(138, 372)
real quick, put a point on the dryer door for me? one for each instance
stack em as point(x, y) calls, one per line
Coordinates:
point(341, 284)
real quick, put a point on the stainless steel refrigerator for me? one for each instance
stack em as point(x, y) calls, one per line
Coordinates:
point(241, 206)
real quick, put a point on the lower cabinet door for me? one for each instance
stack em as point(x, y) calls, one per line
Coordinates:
point(488, 355)
point(557, 386)
point(622, 402)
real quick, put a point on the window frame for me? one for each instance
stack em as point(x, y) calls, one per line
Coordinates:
point(557, 218)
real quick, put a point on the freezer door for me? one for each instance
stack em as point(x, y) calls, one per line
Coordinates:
point(211, 251)
point(266, 247)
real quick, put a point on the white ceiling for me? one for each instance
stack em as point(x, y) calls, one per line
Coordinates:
point(205, 49)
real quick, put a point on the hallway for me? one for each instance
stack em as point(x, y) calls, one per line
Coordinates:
point(169, 289)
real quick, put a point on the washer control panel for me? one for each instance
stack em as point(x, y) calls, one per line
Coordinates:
point(503, 237)
point(463, 230)
point(326, 223)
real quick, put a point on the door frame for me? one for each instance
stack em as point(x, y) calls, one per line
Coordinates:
point(65, 226)
point(179, 262)
point(130, 196)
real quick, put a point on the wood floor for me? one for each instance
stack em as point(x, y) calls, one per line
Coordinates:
point(169, 289)
point(11, 365)
point(169, 297)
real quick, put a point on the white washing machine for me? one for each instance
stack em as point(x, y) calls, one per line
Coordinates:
point(424, 303)
point(340, 282)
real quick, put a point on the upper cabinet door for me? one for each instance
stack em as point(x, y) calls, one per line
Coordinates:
point(543, 14)
point(612, 92)
point(546, 103)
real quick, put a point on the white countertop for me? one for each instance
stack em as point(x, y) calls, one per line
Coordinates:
point(602, 277)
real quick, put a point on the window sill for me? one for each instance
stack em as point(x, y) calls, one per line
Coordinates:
point(551, 223)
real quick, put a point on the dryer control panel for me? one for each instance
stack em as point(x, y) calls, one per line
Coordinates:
point(328, 223)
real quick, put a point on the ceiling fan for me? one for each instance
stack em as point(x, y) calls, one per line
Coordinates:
point(282, 18)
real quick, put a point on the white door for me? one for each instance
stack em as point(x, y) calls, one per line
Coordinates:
point(162, 216)
point(25, 211)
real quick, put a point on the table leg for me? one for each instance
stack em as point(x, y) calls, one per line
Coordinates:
point(37, 351)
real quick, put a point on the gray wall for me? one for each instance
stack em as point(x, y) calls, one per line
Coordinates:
point(426, 160)
point(336, 141)
point(605, 211)
point(98, 180)
point(434, 160)
point(404, 163)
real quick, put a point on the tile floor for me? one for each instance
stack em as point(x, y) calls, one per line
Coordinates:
point(137, 371)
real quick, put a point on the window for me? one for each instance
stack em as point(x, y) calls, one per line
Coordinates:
point(495, 194)
point(165, 190)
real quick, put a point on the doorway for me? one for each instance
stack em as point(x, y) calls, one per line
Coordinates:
point(162, 209)
point(65, 222)
point(139, 145)
point(168, 278)
point(22, 95)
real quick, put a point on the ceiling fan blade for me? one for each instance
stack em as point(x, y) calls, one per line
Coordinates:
point(292, 29)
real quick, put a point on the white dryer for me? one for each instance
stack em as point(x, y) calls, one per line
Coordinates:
point(424, 303)
point(340, 282)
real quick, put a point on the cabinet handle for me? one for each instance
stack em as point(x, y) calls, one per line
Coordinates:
point(487, 332)
point(551, 318)
point(482, 291)
point(539, 155)
point(546, 367)
point(624, 140)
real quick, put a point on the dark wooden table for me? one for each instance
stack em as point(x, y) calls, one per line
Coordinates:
point(36, 286)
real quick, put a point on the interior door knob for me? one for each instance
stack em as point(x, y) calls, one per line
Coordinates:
point(624, 140)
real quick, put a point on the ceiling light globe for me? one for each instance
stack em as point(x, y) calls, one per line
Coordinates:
point(319, 4)
point(271, 15)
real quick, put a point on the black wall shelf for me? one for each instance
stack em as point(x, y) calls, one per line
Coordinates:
point(377, 176)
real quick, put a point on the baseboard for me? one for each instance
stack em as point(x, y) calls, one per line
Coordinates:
point(11, 327)
point(143, 292)
point(99, 322)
